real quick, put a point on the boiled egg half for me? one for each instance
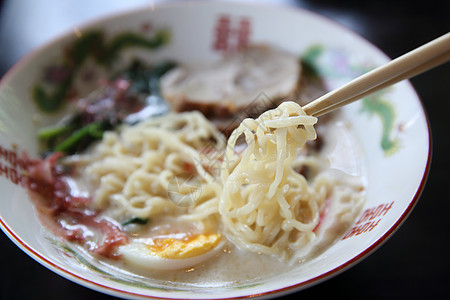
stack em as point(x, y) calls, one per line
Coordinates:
point(170, 252)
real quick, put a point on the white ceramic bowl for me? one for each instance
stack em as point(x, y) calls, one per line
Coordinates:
point(392, 128)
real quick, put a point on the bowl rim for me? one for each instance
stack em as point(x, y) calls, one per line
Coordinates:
point(109, 289)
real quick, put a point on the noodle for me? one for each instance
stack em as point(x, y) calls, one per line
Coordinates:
point(178, 166)
point(134, 168)
point(266, 206)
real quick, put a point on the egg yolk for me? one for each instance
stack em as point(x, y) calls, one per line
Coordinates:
point(171, 248)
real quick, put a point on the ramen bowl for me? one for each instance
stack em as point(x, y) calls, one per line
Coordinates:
point(391, 127)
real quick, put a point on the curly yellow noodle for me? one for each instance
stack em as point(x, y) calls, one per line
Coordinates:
point(255, 196)
point(266, 206)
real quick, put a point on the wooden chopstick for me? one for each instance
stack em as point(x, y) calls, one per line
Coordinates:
point(411, 73)
point(406, 66)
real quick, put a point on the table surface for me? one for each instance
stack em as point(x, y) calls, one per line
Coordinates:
point(412, 264)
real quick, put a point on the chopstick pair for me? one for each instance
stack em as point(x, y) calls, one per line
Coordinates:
point(406, 66)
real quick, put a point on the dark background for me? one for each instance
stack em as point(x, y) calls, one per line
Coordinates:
point(413, 264)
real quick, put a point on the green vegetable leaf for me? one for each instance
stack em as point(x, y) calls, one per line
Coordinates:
point(136, 220)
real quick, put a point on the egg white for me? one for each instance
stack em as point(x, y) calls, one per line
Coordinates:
point(138, 255)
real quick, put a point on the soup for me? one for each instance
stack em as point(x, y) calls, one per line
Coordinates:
point(175, 198)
